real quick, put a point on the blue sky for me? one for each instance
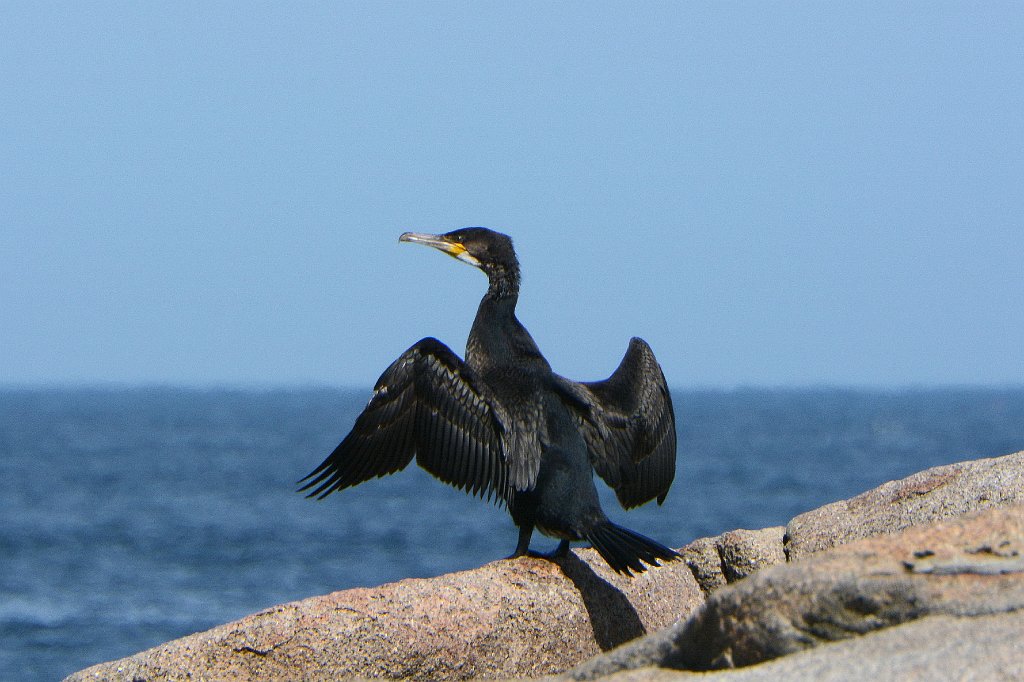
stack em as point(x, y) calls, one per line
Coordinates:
point(769, 193)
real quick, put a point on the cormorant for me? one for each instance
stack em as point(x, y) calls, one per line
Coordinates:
point(501, 424)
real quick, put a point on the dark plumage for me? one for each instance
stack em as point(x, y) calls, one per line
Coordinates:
point(503, 426)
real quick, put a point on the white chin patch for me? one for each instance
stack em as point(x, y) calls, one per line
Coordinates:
point(466, 258)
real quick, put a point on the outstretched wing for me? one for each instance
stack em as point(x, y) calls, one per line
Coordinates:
point(429, 405)
point(630, 428)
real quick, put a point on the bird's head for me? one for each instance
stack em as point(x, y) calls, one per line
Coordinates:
point(486, 249)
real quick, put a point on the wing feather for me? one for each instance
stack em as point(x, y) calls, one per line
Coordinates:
point(629, 425)
point(429, 405)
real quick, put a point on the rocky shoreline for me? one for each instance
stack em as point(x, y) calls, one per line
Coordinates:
point(921, 577)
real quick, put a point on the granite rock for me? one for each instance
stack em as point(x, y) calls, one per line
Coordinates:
point(734, 555)
point(938, 493)
point(520, 618)
point(931, 648)
point(913, 579)
point(967, 567)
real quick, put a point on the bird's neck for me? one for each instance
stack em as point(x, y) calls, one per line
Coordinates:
point(498, 338)
point(498, 307)
point(503, 284)
point(497, 313)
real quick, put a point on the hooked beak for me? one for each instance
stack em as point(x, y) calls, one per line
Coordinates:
point(441, 243)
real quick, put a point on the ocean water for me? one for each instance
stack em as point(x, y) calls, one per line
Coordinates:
point(129, 517)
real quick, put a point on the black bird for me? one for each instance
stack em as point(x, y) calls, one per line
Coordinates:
point(501, 424)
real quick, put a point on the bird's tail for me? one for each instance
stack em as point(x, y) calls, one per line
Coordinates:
point(627, 551)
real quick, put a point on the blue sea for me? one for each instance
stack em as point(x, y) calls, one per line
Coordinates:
point(131, 516)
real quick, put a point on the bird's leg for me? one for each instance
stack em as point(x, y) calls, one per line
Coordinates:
point(523, 547)
point(560, 551)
